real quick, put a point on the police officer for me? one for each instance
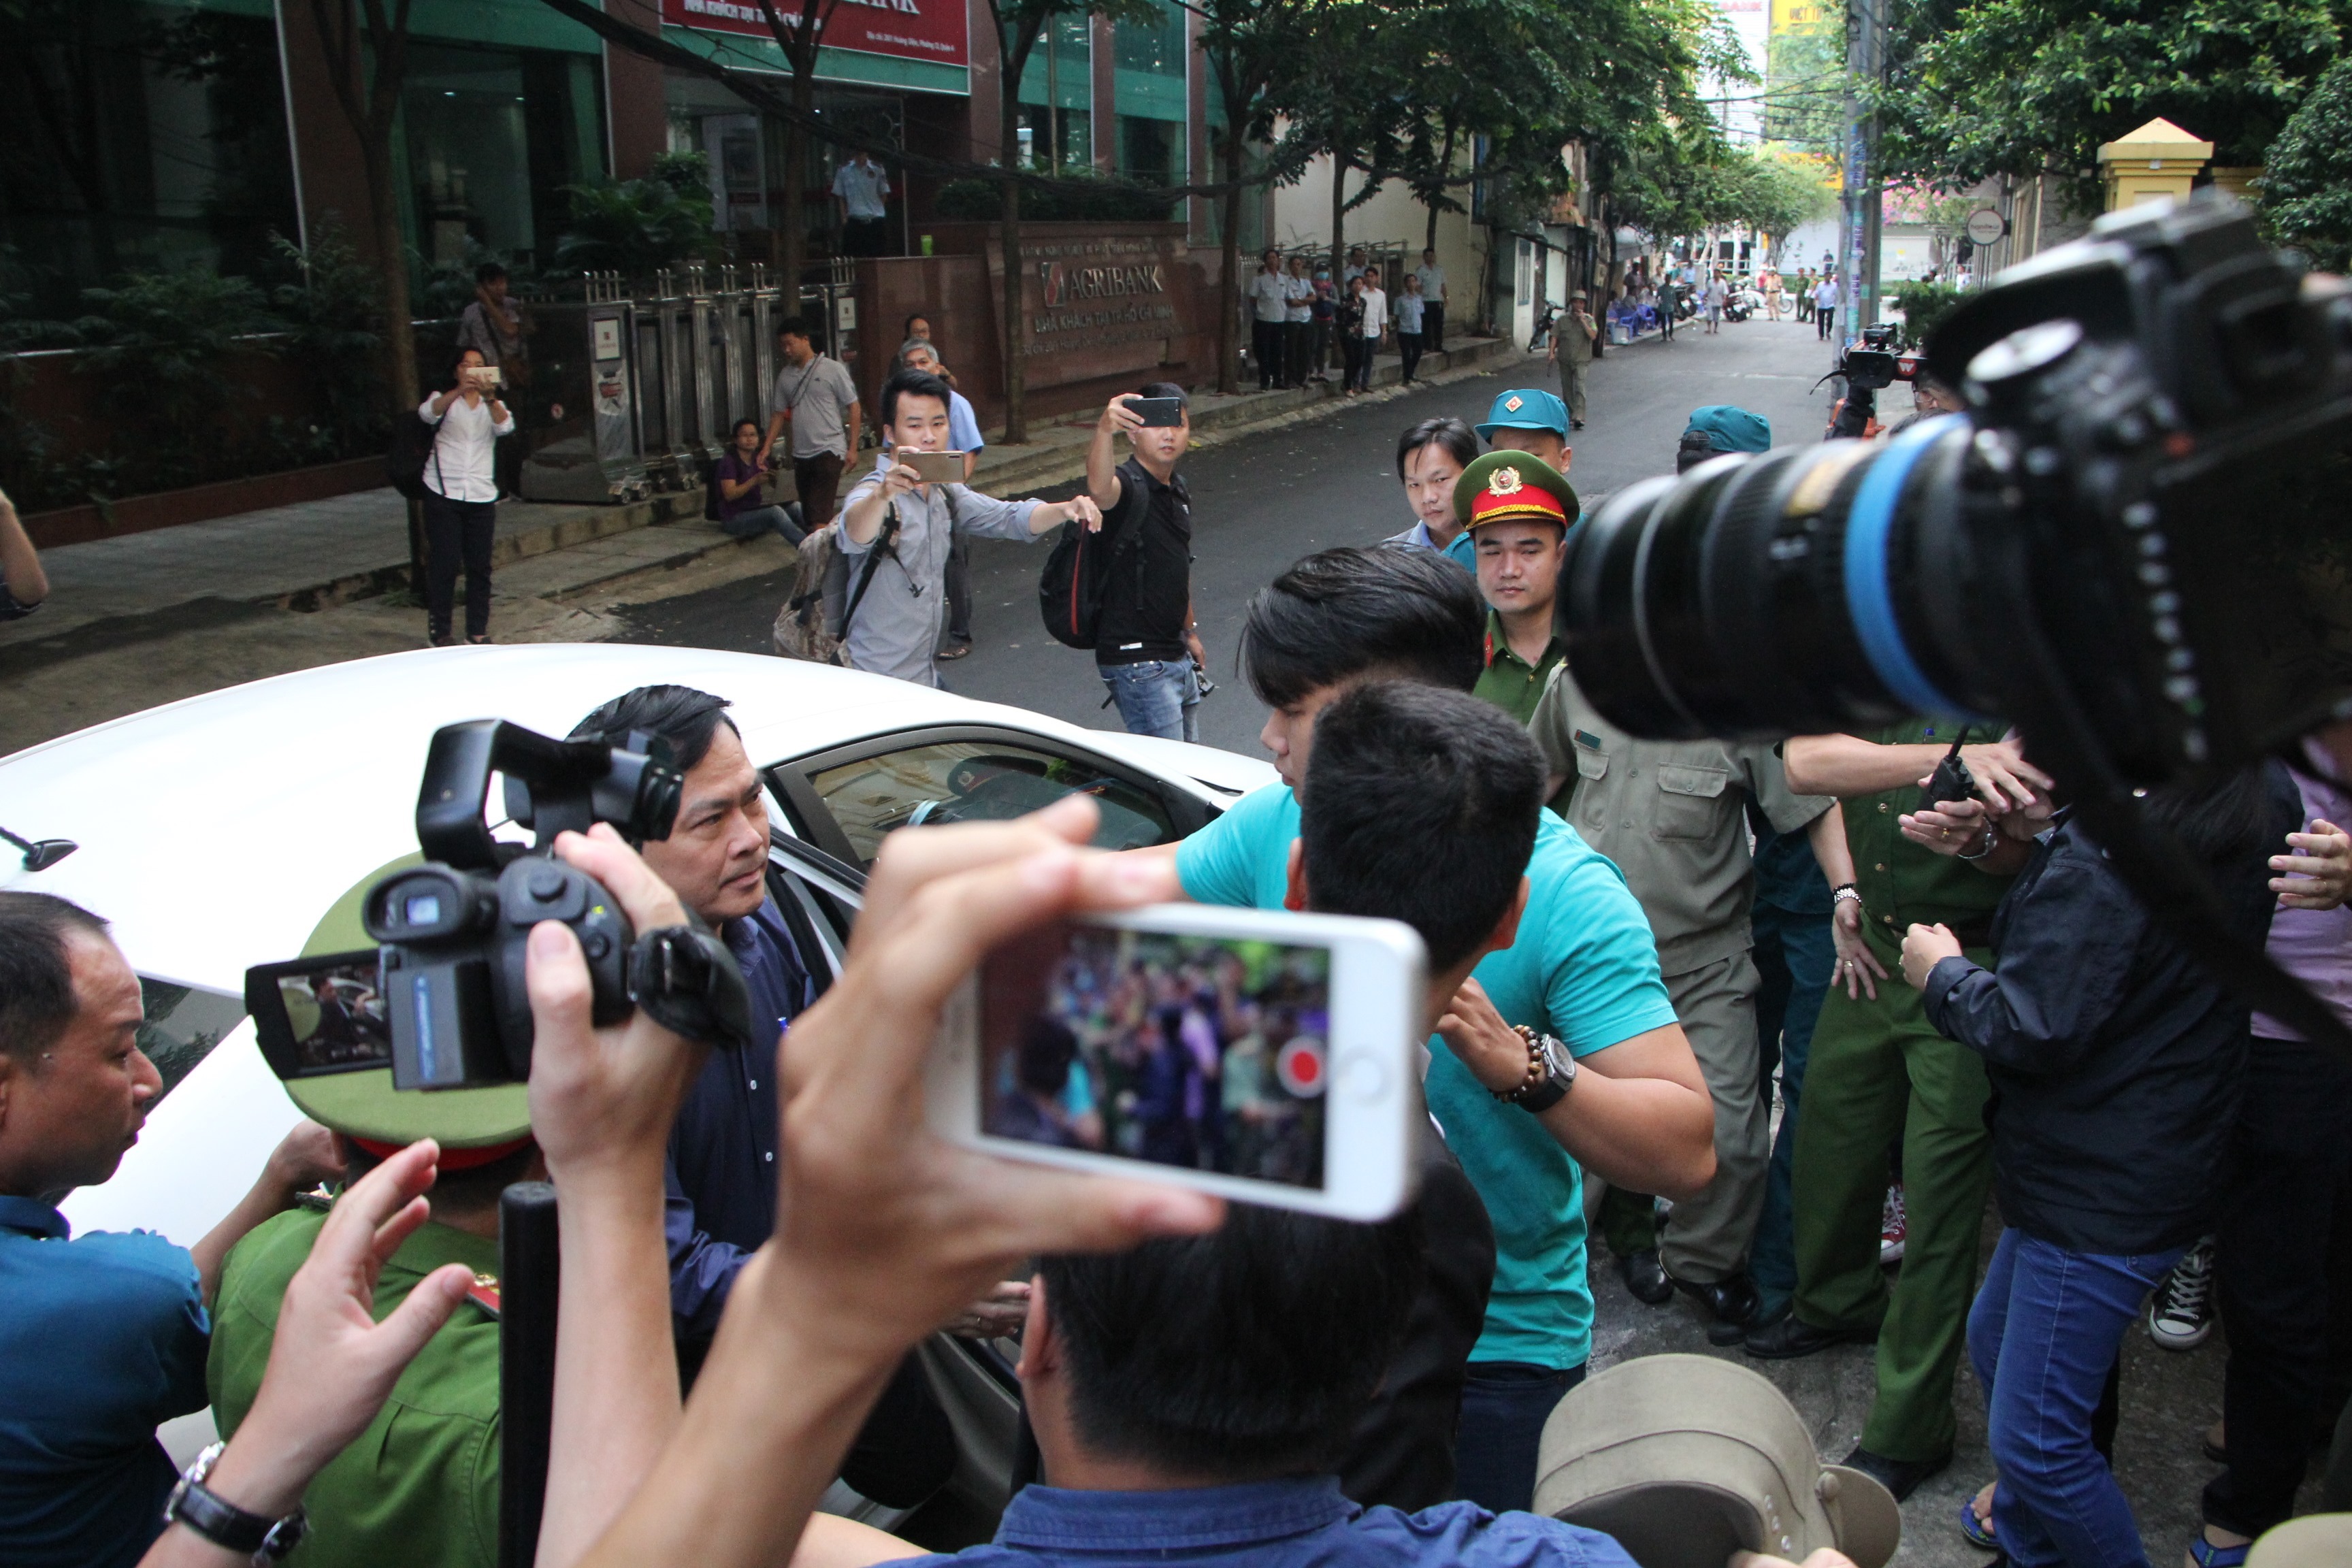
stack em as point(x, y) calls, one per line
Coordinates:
point(1516, 510)
point(1672, 816)
point(1528, 419)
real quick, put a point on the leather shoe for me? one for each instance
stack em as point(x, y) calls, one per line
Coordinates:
point(1901, 1477)
point(1731, 1299)
point(1787, 1338)
point(1646, 1277)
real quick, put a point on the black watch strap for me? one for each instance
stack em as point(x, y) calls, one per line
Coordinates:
point(227, 1526)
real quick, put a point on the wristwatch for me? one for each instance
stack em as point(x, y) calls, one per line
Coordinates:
point(227, 1526)
point(1550, 1070)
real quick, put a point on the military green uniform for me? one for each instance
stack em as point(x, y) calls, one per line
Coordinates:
point(1510, 682)
point(1879, 1069)
point(1672, 814)
point(420, 1486)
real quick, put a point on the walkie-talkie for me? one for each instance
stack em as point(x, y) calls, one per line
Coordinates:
point(1951, 779)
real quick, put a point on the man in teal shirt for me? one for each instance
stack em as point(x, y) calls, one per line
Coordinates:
point(1583, 969)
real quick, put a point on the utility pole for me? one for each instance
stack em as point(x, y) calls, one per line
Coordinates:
point(1865, 62)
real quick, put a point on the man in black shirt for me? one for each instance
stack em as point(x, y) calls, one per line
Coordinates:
point(1145, 644)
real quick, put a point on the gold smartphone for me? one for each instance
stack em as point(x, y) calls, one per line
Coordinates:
point(937, 467)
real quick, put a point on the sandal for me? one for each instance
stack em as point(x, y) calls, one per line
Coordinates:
point(1979, 1531)
point(482, 641)
point(2208, 1555)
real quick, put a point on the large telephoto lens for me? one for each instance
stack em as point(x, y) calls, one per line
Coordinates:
point(1798, 591)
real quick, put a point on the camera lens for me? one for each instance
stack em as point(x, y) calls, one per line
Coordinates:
point(1807, 589)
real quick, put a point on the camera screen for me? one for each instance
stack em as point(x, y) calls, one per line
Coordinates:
point(1180, 1050)
point(335, 1017)
point(421, 909)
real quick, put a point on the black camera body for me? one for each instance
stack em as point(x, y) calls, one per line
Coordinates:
point(1872, 364)
point(454, 931)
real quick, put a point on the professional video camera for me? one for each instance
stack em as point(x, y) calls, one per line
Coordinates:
point(1869, 367)
point(2136, 545)
point(448, 1004)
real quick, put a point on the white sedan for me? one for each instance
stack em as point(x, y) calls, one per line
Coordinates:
point(214, 832)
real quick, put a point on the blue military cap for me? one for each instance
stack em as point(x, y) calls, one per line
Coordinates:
point(1731, 429)
point(1525, 408)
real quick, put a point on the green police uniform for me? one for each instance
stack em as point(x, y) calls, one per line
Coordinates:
point(1510, 682)
point(1879, 1069)
point(1507, 486)
point(420, 1486)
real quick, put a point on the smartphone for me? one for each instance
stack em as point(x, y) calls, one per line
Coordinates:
point(937, 467)
point(486, 376)
point(314, 1017)
point(1268, 1057)
point(1159, 413)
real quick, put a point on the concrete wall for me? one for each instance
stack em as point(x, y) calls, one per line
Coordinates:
point(1302, 215)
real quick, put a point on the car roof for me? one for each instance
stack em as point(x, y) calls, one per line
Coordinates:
point(215, 831)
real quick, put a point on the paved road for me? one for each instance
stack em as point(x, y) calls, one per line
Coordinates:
point(1260, 502)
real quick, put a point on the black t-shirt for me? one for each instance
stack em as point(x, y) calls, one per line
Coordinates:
point(1148, 581)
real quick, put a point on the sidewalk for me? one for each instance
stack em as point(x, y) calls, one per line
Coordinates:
point(320, 554)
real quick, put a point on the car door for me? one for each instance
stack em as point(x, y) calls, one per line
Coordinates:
point(846, 800)
point(819, 894)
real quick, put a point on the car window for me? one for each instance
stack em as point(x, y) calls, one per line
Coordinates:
point(980, 781)
point(183, 1024)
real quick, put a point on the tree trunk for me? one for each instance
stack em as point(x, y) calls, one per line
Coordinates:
point(1229, 290)
point(392, 268)
point(1444, 169)
point(1340, 164)
point(793, 220)
point(1016, 371)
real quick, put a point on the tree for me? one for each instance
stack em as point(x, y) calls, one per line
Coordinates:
point(2028, 87)
point(366, 51)
point(1804, 91)
point(1341, 86)
point(799, 37)
point(2307, 188)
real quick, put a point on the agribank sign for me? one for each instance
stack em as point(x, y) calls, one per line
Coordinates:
point(932, 30)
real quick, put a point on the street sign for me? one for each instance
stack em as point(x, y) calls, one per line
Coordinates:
point(1986, 226)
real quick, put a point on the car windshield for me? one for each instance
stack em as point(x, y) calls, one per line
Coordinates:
point(183, 1024)
point(979, 781)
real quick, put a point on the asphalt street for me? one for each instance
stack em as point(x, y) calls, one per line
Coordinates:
point(1260, 502)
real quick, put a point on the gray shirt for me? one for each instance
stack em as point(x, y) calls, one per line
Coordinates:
point(897, 626)
point(819, 396)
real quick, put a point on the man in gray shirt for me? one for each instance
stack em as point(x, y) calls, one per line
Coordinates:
point(894, 627)
point(814, 395)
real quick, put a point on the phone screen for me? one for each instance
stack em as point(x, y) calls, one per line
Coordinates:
point(1202, 1052)
point(320, 1015)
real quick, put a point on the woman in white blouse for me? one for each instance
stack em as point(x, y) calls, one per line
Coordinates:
point(461, 499)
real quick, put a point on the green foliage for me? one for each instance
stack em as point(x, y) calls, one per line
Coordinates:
point(1772, 194)
point(1923, 308)
point(1804, 105)
point(2031, 87)
point(2307, 187)
point(333, 316)
point(633, 227)
point(160, 345)
point(1085, 196)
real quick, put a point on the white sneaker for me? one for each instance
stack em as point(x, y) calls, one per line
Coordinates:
point(1891, 1228)
point(2180, 1310)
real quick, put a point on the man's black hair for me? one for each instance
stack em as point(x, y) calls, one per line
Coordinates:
point(1420, 807)
point(738, 425)
point(489, 272)
point(37, 988)
point(909, 330)
point(802, 327)
point(1342, 614)
point(1461, 442)
point(1697, 446)
point(684, 717)
point(1244, 1354)
point(1047, 1049)
point(904, 383)
point(1166, 389)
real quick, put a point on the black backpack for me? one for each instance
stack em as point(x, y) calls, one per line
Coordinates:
point(1070, 589)
point(413, 443)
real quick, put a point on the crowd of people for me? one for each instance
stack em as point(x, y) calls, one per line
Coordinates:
point(1636, 950)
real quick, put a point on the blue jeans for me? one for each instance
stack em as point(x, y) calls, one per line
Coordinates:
point(1504, 1407)
point(1795, 955)
point(2043, 1332)
point(762, 520)
point(1156, 697)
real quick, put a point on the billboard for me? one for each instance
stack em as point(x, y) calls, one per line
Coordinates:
point(931, 30)
point(1803, 15)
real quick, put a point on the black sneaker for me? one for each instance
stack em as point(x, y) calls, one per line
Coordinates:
point(1901, 1477)
point(2180, 1312)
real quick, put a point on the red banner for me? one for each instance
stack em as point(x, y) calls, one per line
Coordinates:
point(931, 30)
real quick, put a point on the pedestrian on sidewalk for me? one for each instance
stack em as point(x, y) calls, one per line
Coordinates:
point(461, 500)
point(494, 324)
point(1269, 307)
point(23, 586)
point(1571, 350)
point(1411, 311)
point(1768, 282)
point(1825, 305)
point(1432, 308)
point(1718, 295)
point(1372, 329)
point(1429, 457)
point(1357, 267)
point(1348, 320)
point(741, 504)
point(894, 625)
point(1297, 321)
point(963, 436)
point(814, 394)
point(1324, 310)
point(1804, 293)
point(1147, 648)
point(1669, 297)
point(861, 196)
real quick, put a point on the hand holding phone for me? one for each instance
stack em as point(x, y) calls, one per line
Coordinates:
point(1158, 413)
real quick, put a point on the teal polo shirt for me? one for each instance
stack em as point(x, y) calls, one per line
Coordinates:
point(1585, 968)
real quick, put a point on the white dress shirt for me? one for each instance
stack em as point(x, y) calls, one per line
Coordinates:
point(460, 466)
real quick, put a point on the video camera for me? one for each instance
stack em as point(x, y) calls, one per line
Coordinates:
point(449, 1007)
point(2136, 545)
point(1869, 367)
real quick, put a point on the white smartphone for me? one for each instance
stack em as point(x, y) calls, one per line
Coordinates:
point(1268, 1057)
